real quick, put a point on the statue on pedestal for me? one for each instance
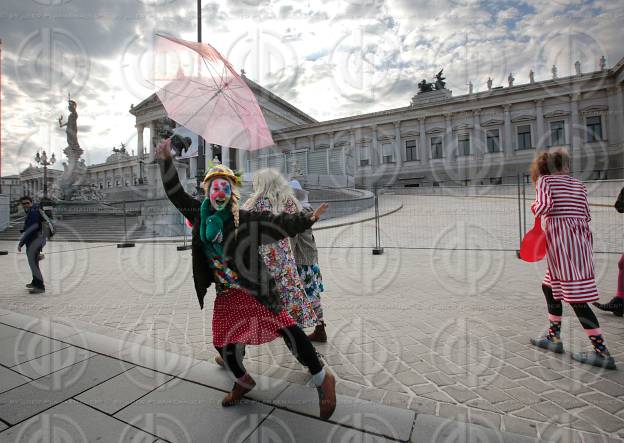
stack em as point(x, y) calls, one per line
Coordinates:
point(531, 76)
point(440, 83)
point(554, 71)
point(510, 79)
point(75, 169)
point(577, 67)
point(489, 83)
point(603, 63)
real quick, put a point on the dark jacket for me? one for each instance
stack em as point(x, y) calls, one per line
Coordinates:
point(240, 245)
point(32, 225)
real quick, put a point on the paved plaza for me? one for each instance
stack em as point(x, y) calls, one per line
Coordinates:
point(429, 332)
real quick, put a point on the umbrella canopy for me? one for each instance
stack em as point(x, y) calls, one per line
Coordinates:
point(533, 247)
point(201, 91)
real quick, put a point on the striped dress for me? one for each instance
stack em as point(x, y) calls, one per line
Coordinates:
point(561, 201)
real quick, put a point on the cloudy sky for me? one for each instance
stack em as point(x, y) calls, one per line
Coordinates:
point(330, 58)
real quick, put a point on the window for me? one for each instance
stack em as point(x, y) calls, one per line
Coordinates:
point(109, 184)
point(557, 134)
point(388, 152)
point(463, 144)
point(436, 184)
point(524, 137)
point(594, 129)
point(364, 161)
point(411, 150)
point(493, 140)
point(117, 183)
point(496, 180)
point(436, 147)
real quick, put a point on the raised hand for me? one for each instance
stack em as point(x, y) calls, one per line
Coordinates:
point(163, 151)
point(319, 211)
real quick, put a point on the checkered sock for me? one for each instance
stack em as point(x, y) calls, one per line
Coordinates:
point(554, 331)
point(598, 343)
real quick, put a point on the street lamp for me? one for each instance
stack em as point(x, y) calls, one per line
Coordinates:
point(45, 162)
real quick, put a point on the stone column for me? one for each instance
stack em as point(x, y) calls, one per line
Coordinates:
point(424, 149)
point(193, 167)
point(398, 152)
point(153, 133)
point(478, 143)
point(140, 146)
point(575, 128)
point(208, 155)
point(507, 142)
point(541, 136)
point(448, 135)
point(614, 126)
point(225, 156)
point(356, 152)
point(375, 160)
point(241, 158)
point(330, 150)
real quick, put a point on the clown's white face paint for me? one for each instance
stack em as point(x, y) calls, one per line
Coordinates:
point(220, 192)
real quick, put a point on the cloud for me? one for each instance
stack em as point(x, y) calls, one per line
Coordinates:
point(331, 58)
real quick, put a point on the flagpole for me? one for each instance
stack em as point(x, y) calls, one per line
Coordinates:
point(201, 160)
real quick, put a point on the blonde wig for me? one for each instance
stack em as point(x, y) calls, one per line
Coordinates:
point(270, 184)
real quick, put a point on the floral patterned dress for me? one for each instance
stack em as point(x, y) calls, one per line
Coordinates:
point(280, 262)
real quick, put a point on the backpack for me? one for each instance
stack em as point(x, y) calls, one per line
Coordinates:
point(619, 204)
point(47, 228)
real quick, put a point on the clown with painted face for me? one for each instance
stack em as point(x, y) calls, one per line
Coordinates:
point(225, 249)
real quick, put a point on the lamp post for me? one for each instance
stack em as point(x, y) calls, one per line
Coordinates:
point(45, 162)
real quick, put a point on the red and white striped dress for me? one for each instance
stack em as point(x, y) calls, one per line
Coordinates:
point(561, 201)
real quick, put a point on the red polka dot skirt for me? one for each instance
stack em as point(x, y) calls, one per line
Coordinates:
point(239, 317)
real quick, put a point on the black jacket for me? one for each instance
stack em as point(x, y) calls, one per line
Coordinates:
point(240, 245)
point(619, 203)
point(32, 225)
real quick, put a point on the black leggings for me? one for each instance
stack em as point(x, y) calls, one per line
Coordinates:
point(582, 310)
point(296, 340)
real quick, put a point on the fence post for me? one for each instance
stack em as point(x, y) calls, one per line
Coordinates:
point(183, 247)
point(125, 243)
point(377, 250)
point(519, 182)
point(524, 229)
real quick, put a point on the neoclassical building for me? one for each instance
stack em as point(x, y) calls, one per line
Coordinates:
point(439, 139)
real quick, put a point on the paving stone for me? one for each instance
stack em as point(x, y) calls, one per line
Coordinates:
point(396, 399)
point(544, 374)
point(29, 399)
point(190, 412)
point(7, 331)
point(160, 360)
point(10, 379)
point(512, 373)
point(606, 402)
point(524, 395)
point(520, 362)
point(372, 394)
point(510, 405)
point(52, 328)
point(410, 378)
point(536, 385)
point(285, 426)
point(460, 394)
point(352, 412)
point(519, 426)
point(439, 396)
point(430, 429)
point(484, 418)
point(492, 394)
point(73, 421)
point(98, 343)
point(552, 411)
point(602, 420)
point(120, 391)
point(440, 379)
point(608, 387)
point(52, 362)
point(529, 414)
point(457, 412)
point(565, 400)
point(482, 404)
point(423, 405)
point(26, 346)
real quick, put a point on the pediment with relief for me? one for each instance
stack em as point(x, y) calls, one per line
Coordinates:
point(557, 113)
point(523, 118)
point(493, 122)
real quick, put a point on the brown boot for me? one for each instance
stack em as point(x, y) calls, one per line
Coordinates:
point(327, 396)
point(239, 389)
point(219, 360)
point(319, 335)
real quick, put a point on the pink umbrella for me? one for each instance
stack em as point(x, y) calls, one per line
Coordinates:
point(201, 91)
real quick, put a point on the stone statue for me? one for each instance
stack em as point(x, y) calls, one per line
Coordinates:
point(577, 67)
point(425, 86)
point(470, 87)
point(554, 71)
point(440, 83)
point(603, 63)
point(489, 83)
point(510, 79)
point(71, 127)
point(531, 76)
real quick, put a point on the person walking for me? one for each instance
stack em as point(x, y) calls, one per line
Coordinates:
point(225, 250)
point(32, 236)
point(561, 200)
point(616, 305)
point(306, 256)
